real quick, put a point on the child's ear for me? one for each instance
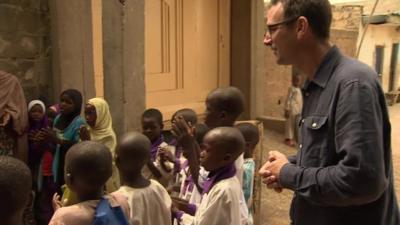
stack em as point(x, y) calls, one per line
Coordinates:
point(227, 157)
point(68, 179)
point(223, 114)
point(31, 199)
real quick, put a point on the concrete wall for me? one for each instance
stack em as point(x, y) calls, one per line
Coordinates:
point(345, 28)
point(384, 35)
point(247, 65)
point(123, 59)
point(72, 46)
point(25, 45)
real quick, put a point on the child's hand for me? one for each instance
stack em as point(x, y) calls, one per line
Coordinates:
point(56, 202)
point(33, 136)
point(48, 134)
point(4, 119)
point(84, 133)
point(166, 154)
point(180, 204)
point(183, 131)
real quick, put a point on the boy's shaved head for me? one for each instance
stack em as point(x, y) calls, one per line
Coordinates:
point(89, 161)
point(133, 152)
point(228, 99)
point(154, 114)
point(251, 136)
point(221, 147)
point(223, 106)
point(188, 114)
point(250, 132)
point(15, 187)
point(228, 139)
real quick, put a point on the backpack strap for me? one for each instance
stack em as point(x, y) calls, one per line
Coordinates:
point(107, 215)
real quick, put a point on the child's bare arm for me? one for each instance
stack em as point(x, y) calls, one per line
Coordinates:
point(153, 169)
point(185, 136)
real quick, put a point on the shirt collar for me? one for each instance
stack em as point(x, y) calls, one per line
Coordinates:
point(325, 69)
point(218, 175)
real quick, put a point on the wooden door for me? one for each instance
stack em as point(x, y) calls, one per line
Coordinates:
point(186, 52)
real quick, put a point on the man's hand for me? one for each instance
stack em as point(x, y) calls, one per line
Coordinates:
point(270, 171)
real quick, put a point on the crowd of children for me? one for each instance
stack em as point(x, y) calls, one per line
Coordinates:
point(80, 173)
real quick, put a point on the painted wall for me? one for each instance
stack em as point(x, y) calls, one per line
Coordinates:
point(384, 35)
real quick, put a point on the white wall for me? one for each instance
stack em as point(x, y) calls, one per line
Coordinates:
point(384, 35)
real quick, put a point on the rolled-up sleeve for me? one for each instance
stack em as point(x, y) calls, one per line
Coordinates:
point(359, 177)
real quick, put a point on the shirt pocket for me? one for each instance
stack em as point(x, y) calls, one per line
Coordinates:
point(314, 140)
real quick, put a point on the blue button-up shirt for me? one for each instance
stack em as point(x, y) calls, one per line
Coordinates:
point(342, 174)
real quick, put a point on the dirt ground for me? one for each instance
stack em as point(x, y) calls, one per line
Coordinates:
point(275, 207)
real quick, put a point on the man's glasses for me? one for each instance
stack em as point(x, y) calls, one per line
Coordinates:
point(270, 29)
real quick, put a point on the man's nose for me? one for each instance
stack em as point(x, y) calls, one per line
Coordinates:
point(267, 39)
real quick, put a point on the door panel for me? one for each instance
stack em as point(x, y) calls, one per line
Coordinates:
point(186, 52)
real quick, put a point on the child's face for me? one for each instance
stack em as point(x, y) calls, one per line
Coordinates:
point(151, 128)
point(36, 113)
point(212, 116)
point(90, 115)
point(67, 105)
point(212, 157)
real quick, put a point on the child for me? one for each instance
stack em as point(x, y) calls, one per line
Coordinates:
point(88, 165)
point(152, 125)
point(37, 121)
point(251, 136)
point(173, 153)
point(52, 112)
point(223, 107)
point(65, 132)
point(188, 190)
point(189, 196)
point(149, 201)
point(40, 161)
point(220, 203)
point(293, 106)
point(15, 190)
point(98, 117)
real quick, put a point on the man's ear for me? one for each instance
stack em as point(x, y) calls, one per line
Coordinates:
point(302, 27)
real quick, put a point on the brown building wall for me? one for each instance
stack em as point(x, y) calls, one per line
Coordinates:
point(25, 45)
